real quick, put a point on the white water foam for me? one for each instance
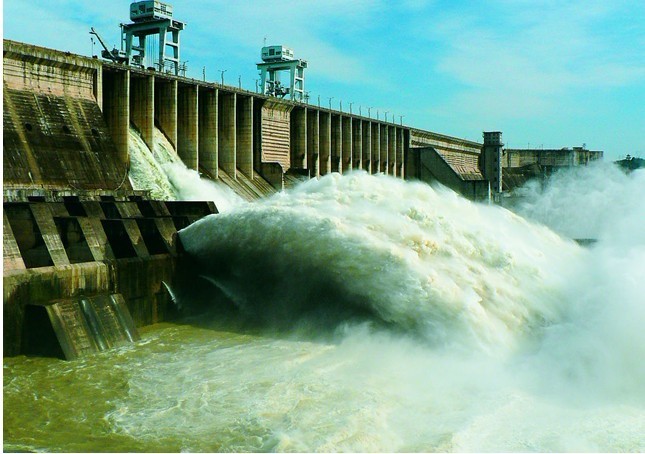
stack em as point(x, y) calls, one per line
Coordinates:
point(421, 258)
point(162, 172)
point(601, 341)
point(146, 173)
point(598, 201)
point(521, 340)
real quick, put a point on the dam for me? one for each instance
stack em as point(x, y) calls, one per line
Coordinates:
point(75, 227)
point(189, 266)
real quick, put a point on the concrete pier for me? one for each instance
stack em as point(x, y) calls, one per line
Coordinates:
point(357, 144)
point(313, 143)
point(244, 135)
point(44, 220)
point(346, 144)
point(227, 132)
point(367, 145)
point(391, 151)
point(384, 149)
point(336, 143)
point(142, 106)
point(208, 132)
point(12, 258)
point(400, 152)
point(166, 108)
point(116, 109)
point(188, 125)
point(299, 139)
point(375, 152)
point(324, 130)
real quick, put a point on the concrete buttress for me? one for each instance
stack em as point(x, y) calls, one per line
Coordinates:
point(299, 138)
point(391, 150)
point(324, 131)
point(346, 143)
point(367, 145)
point(313, 143)
point(357, 144)
point(384, 148)
point(226, 128)
point(244, 135)
point(376, 148)
point(336, 144)
point(166, 108)
point(116, 109)
point(142, 106)
point(188, 125)
point(208, 120)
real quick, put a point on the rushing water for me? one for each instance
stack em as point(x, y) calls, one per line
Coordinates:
point(162, 172)
point(377, 315)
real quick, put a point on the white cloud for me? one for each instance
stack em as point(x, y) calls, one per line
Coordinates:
point(533, 57)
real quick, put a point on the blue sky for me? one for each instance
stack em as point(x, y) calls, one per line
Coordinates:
point(546, 73)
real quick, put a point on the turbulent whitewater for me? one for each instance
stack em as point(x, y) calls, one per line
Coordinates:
point(162, 172)
point(417, 257)
point(493, 330)
point(377, 315)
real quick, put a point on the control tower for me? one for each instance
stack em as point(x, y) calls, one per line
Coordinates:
point(491, 161)
point(152, 17)
point(278, 59)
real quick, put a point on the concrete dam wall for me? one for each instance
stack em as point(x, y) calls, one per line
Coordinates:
point(55, 137)
point(87, 258)
point(212, 126)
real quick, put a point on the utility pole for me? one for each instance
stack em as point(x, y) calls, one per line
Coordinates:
point(239, 81)
point(330, 102)
point(350, 107)
point(369, 112)
point(222, 71)
point(204, 73)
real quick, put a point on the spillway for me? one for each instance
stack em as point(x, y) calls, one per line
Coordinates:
point(162, 172)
